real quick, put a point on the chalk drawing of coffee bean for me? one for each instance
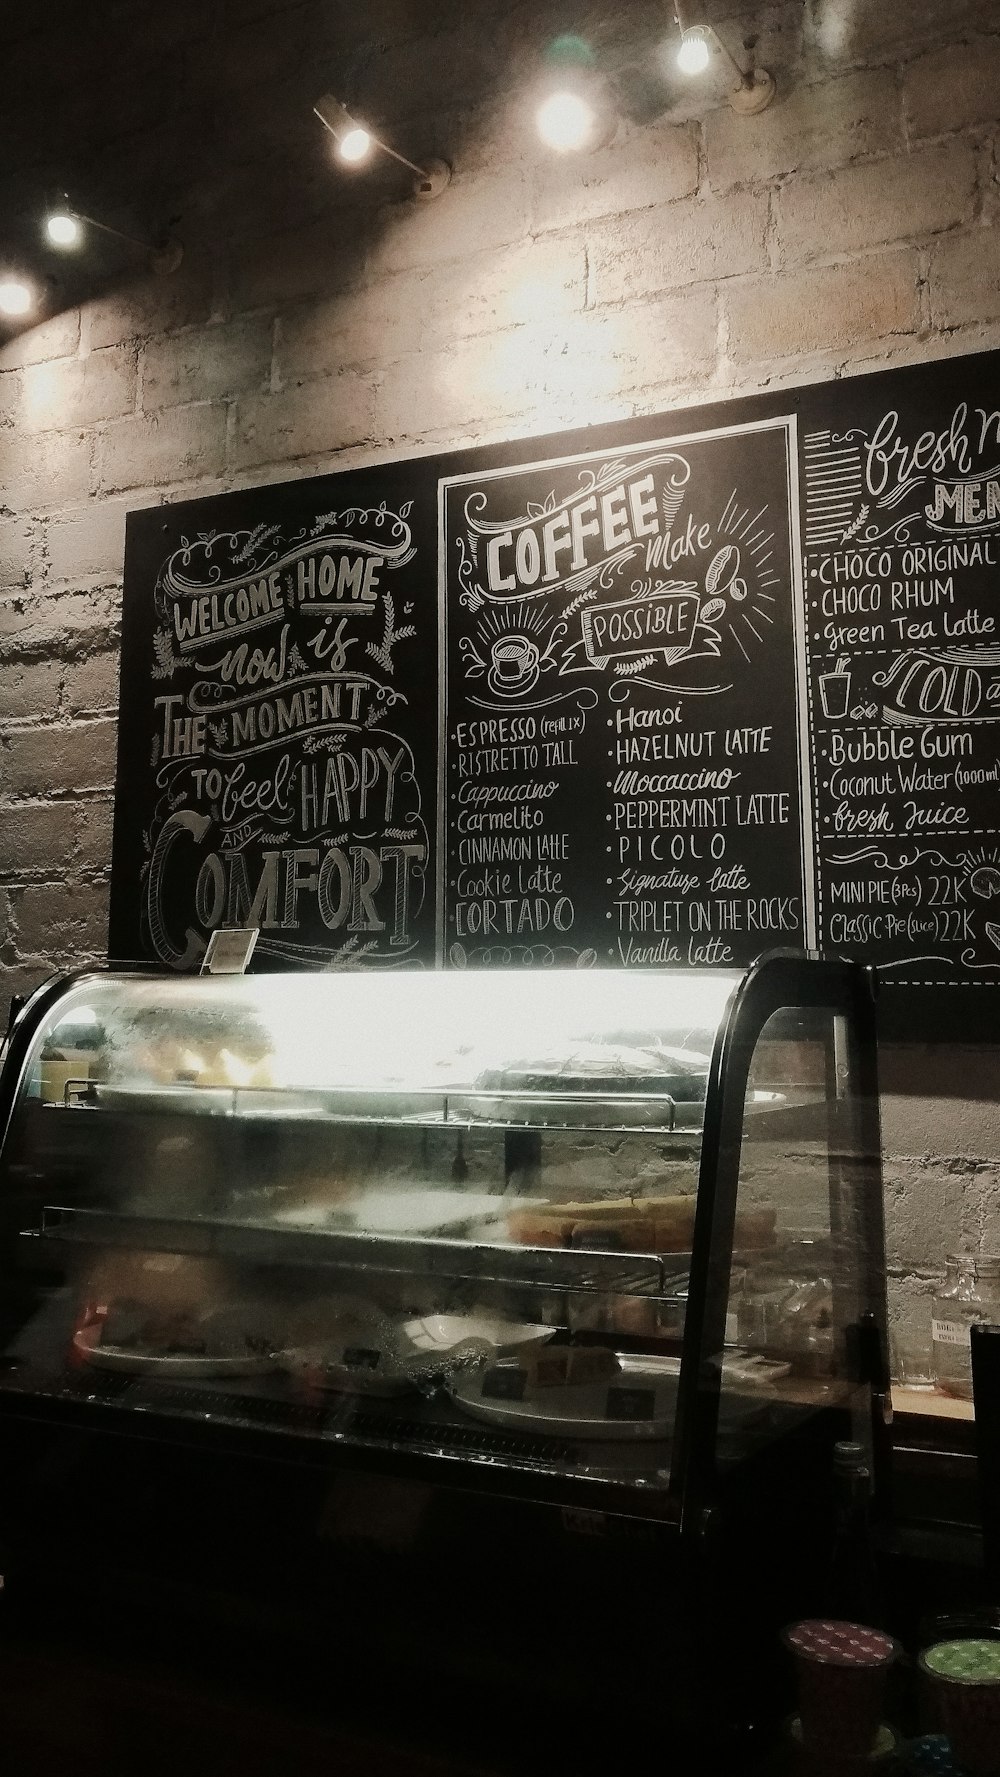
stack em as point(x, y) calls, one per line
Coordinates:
point(722, 568)
point(712, 609)
point(985, 882)
point(457, 956)
point(738, 591)
point(586, 959)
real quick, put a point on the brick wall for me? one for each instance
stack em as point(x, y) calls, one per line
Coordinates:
point(319, 320)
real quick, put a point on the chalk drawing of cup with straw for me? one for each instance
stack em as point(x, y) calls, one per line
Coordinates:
point(835, 689)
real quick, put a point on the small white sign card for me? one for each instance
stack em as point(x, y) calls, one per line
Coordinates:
point(229, 950)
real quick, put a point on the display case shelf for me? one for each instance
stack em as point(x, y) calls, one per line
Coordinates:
point(66, 1230)
point(584, 1112)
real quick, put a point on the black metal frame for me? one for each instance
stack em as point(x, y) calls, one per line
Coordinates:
point(777, 980)
point(21, 1035)
point(986, 1395)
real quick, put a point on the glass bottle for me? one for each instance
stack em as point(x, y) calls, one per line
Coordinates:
point(854, 1588)
point(970, 1292)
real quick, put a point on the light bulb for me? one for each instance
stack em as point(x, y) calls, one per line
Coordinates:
point(15, 297)
point(62, 229)
point(355, 144)
point(565, 121)
point(694, 54)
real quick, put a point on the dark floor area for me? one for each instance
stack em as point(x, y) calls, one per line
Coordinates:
point(81, 1715)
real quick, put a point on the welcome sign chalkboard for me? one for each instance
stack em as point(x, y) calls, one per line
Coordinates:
point(277, 765)
point(674, 690)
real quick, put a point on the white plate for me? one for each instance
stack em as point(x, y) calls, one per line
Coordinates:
point(304, 1215)
point(442, 1333)
point(218, 1100)
point(129, 1362)
point(419, 1211)
point(745, 1369)
point(589, 1411)
point(368, 1356)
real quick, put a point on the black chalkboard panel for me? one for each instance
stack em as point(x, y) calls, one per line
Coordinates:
point(615, 790)
point(671, 690)
point(901, 531)
point(277, 749)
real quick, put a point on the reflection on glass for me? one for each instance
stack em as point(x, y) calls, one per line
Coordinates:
point(790, 1305)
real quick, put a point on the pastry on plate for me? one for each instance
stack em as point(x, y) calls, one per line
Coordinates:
point(170, 1282)
point(605, 1068)
point(662, 1224)
point(626, 1224)
point(167, 1312)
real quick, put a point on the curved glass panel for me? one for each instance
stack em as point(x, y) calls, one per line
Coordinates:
point(809, 1171)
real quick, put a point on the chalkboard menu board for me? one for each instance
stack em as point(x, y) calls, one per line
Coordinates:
point(277, 753)
point(675, 690)
point(616, 789)
point(902, 564)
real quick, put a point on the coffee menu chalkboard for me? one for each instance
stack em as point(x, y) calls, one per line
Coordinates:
point(670, 691)
point(615, 787)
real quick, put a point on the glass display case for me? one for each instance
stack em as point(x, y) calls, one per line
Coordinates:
point(598, 1238)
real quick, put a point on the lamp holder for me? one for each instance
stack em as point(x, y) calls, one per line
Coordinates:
point(756, 86)
point(164, 256)
point(432, 181)
point(167, 258)
point(754, 93)
point(429, 180)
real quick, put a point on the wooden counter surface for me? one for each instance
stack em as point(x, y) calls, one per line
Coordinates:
point(927, 1403)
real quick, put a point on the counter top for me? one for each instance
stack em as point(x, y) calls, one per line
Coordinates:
point(929, 1404)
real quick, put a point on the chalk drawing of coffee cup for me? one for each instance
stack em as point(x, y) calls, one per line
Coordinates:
point(835, 690)
point(515, 666)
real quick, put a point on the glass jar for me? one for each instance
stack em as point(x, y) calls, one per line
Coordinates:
point(785, 1307)
point(970, 1293)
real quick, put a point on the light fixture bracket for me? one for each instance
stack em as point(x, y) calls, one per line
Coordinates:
point(164, 255)
point(166, 258)
point(755, 87)
point(428, 180)
point(434, 179)
point(754, 93)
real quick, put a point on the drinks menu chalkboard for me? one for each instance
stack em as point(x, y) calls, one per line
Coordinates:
point(902, 564)
point(675, 690)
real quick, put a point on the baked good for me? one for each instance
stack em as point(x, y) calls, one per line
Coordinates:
point(195, 1045)
point(627, 1224)
point(680, 1074)
point(150, 1309)
point(631, 1224)
point(159, 1281)
point(232, 1334)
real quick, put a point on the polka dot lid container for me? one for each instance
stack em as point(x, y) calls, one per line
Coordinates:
point(841, 1671)
point(840, 1644)
point(965, 1662)
point(963, 1690)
